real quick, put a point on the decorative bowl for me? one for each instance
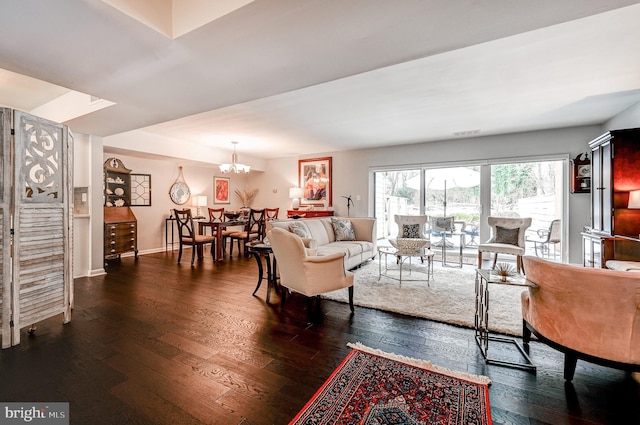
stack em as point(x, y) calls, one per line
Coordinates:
point(408, 245)
point(231, 215)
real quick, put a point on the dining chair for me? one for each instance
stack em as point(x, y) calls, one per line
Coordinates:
point(188, 235)
point(217, 214)
point(271, 213)
point(254, 230)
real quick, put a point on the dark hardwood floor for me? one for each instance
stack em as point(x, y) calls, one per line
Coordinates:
point(153, 342)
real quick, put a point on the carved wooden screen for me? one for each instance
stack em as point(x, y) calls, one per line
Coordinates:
point(42, 197)
point(5, 224)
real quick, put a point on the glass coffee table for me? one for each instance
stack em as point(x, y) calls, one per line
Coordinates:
point(402, 257)
point(481, 324)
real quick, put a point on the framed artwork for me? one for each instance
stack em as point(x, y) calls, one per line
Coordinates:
point(221, 190)
point(140, 190)
point(314, 177)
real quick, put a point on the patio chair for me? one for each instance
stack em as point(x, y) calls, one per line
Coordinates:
point(507, 237)
point(547, 238)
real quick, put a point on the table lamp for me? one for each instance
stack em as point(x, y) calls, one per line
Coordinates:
point(634, 200)
point(200, 201)
point(295, 193)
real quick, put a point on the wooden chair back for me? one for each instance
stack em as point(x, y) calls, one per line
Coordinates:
point(216, 214)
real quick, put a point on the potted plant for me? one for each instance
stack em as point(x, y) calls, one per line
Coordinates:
point(504, 270)
point(246, 197)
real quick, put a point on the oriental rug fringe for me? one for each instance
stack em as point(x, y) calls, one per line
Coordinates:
point(374, 387)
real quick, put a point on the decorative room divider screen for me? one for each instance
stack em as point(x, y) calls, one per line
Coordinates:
point(35, 214)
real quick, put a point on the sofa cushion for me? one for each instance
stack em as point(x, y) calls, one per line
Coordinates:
point(299, 229)
point(626, 266)
point(411, 231)
point(343, 230)
point(507, 236)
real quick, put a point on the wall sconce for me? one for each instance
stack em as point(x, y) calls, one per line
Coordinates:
point(199, 201)
point(634, 200)
point(295, 193)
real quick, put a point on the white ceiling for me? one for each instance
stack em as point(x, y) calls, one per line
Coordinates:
point(291, 77)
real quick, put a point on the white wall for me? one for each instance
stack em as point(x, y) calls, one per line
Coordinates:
point(629, 118)
point(351, 168)
point(351, 171)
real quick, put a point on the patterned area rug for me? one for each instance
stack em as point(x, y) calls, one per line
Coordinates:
point(373, 387)
point(448, 297)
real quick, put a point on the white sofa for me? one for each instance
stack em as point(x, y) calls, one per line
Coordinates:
point(320, 232)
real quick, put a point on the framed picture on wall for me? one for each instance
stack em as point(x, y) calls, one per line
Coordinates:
point(221, 190)
point(314, 177)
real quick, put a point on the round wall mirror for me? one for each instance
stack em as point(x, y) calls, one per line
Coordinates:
point(180, 193)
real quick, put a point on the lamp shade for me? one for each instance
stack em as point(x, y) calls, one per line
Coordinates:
point(634, 200)
point(200, 201)
point(295, 193)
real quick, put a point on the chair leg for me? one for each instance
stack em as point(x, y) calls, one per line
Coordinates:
point(570, 361)
point(194, 248)
point(479, 259)
point(519, 263)
point(351, 299)
point(179, 253)
point(495, 260)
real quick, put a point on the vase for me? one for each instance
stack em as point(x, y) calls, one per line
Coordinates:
point(245, 211)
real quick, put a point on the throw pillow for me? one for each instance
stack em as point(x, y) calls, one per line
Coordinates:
point(507, 236)
point(299, 229)
point(343, 230)
point(411, 231)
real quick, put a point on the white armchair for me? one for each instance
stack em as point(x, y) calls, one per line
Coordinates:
point(411, 226)
point(309, 275)
point(507, 237)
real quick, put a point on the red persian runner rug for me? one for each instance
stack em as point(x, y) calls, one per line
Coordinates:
point(373, 387)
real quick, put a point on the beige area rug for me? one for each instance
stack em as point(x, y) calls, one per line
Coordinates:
point(449, 296)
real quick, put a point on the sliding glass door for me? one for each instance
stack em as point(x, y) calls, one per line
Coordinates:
point(472, 192)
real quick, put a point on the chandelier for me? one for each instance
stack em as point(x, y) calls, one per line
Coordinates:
point(235, 166)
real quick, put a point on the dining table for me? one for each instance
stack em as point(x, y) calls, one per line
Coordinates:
point(216, 230)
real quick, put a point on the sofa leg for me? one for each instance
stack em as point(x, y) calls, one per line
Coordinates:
point(351, 299)
point(570, 361)
point(479, 259)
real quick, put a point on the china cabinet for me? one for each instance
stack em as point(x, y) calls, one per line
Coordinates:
point(120, 224)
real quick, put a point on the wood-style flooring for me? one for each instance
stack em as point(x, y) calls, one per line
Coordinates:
point(154, 342)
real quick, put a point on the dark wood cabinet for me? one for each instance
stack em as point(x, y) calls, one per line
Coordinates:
point(120, 231)
point(615, 172)
point(120, 224)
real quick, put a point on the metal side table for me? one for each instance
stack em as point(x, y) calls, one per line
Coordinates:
point(481, 324)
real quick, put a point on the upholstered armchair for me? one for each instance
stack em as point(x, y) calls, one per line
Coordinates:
point(587, 313)
point(309, 275)
point(507, 237)
point(411, 226)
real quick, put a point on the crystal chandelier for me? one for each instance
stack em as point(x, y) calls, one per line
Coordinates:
point(235, 166)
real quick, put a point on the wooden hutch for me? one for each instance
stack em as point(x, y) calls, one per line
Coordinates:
point(120, 224)
point(615, 228)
